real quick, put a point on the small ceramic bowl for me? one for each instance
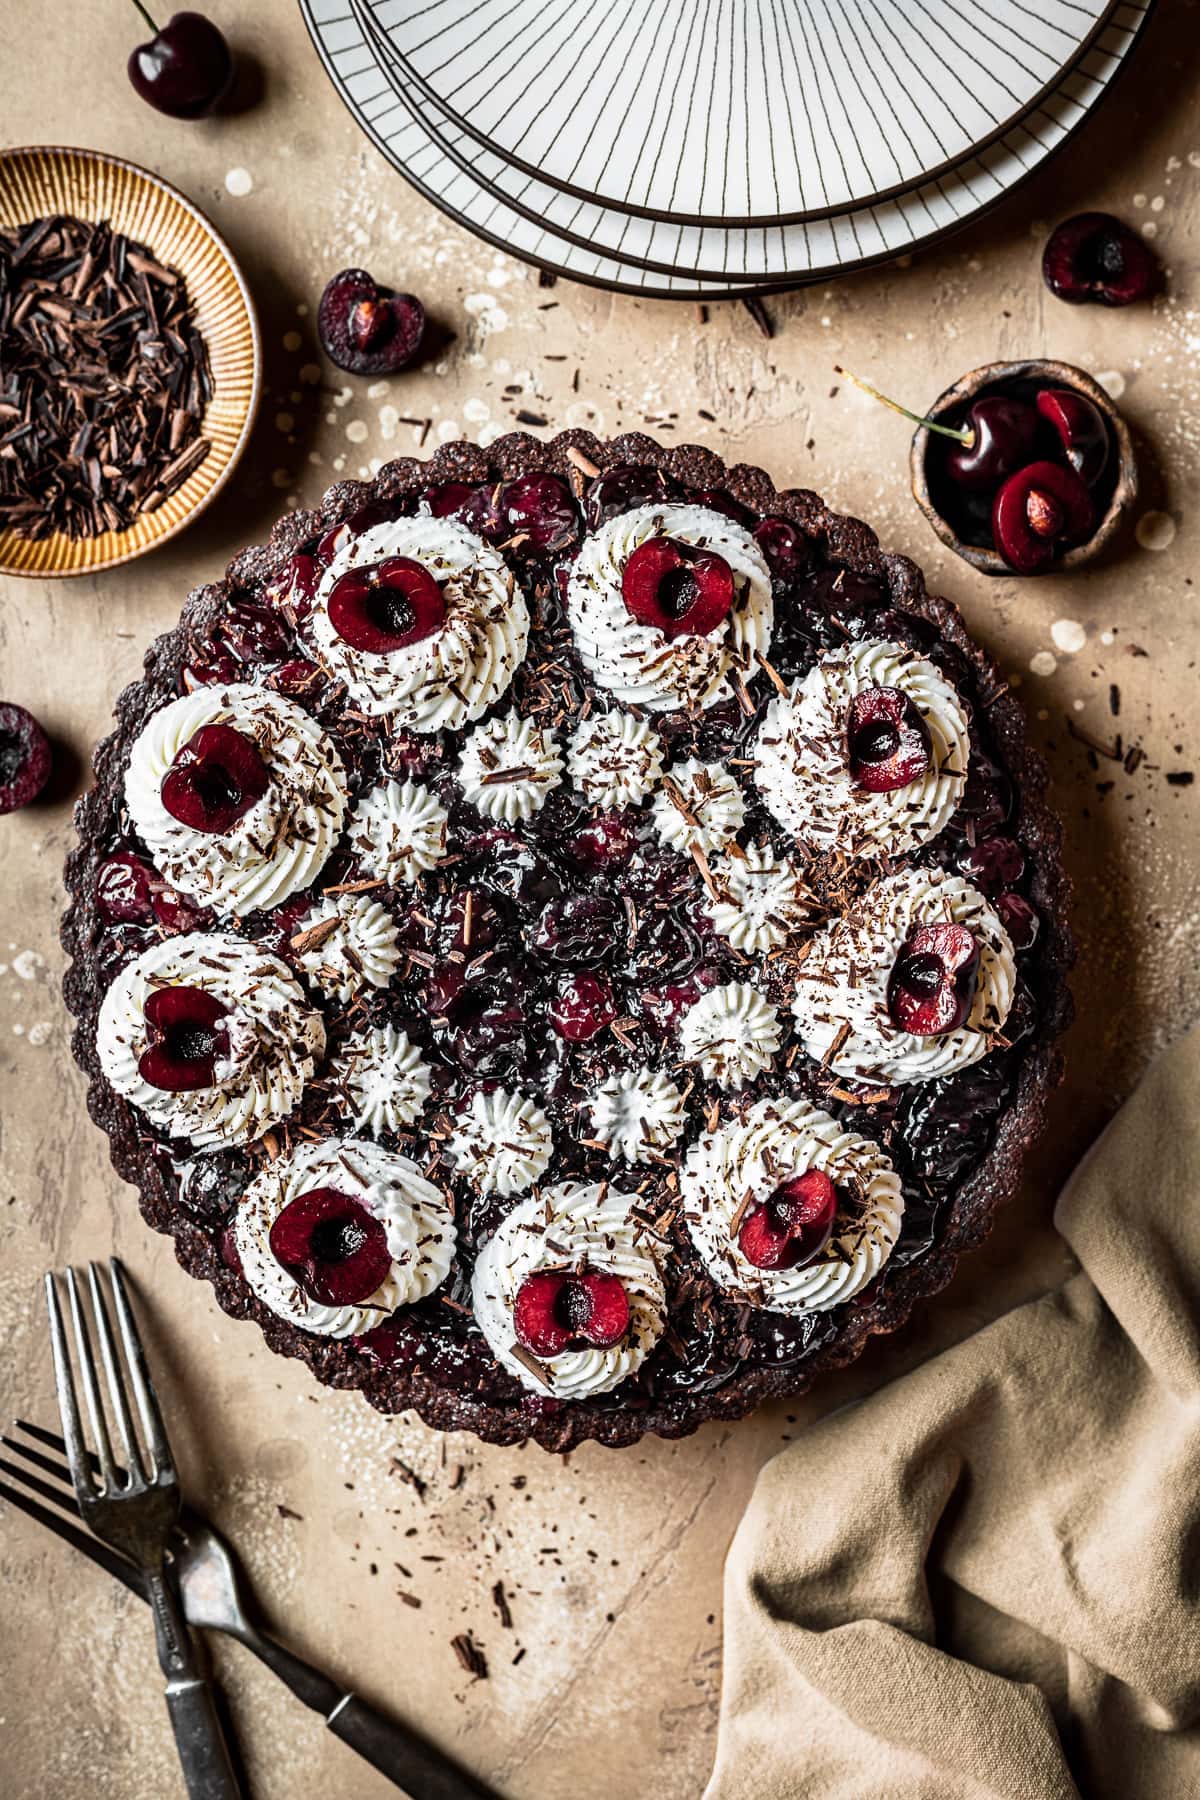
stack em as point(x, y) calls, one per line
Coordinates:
point(1120, 483)
point(35, 182)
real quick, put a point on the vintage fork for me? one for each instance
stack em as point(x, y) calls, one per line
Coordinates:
point(133, 1508)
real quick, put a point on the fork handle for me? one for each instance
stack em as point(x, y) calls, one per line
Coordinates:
point(203, 1753)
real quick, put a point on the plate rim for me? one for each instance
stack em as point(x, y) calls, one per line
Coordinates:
point(12, 153)
point(752, 288)
point(755, 222)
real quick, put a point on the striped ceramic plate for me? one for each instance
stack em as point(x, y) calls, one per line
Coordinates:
point(88, 185)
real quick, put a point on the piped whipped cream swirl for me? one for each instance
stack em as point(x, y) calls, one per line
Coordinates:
point(638, 1114)
point(573, 1226)
point(379, 1080)
point(731, 1033)
point(699, 807)
point(274, 1037)
point(281, 843)
point(398, 831)
point(803, 765)
point(417, 1224)
point(762, 900)
point(843, 982)
point(348, 942)
point(741, 1164)
point(501, 1143)
point(615, 760)
point(635, 661)
point(508, 766)
point(452, 676)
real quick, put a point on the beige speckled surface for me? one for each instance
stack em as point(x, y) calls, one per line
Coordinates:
point(612, 1562)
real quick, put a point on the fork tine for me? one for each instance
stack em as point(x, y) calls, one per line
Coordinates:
point(51, 1440)
point(154, 1430)
point(83, 1541)
point(68, 1406)
point(116, 1385)
point(110, 1482)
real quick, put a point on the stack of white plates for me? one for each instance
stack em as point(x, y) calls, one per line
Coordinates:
point(701, 148)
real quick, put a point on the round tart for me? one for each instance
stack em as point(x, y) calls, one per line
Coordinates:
point(569, 939)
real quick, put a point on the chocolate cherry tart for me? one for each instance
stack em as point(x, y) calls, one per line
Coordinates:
point(569, 939)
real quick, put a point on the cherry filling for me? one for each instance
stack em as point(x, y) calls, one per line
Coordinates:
point(887, 740)
point(386, 606)
point(185, 1038)
point(557, 1312)
point(793, 1225)
point(679, 590)
point(214, 780)
point(331, 1246)
point(932, 983)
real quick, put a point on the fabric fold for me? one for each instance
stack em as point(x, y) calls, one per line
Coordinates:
point(984, 1580)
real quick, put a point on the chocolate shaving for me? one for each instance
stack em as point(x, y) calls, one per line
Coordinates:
point(314, 935)
point(104, 380)
point(470, 1655)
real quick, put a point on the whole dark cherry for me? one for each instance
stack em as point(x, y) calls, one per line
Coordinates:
point(214, 779)
point(992, 863)
point(582, 1007)
point(130, 891)
point(186, 69)
point(887, 740)
point(556, 1311)
point(677, 589)
point(475, 505)
point(788, 552)
point(1003, 432)
point(1081, 429)
point(1039, 511)
point(24, 757)
point(932, 983)
point(1094, 257)
point(381, 607)
point(793, 1225)
point(1019, 919)
point(331, 1246)
point(367, 329)
point(185, 1037)
point(295, 586)
point(624, 488)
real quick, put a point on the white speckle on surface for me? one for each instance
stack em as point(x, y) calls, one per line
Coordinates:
point(281, 478)
point(343, 396)
point(447, 429)
point(40, 1033)
point(27, 964)
point(284, 421)
point(489, 433)
point(310, 374)
point(377, 390)
point(1107, 637)
point(339, 463)
point(1155, 530)
point(389, 418)
point(1077, 705)
point(498, 277)
point(239, 182)
point(1068, 635)
point(478, 412)
point(1113, 382)
point(18, 1031)
point(357, 431)
point(292, 340)
point(1042, 663)
point(1150, 229)
point(1139, 199)
point(1158, 202)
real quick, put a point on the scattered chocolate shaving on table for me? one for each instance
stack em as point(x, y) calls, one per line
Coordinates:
point(285, 1512)
point(470, 1655)
point(104, 380)
point(1180, 777)
point(500, 1602)
point(408, 1476)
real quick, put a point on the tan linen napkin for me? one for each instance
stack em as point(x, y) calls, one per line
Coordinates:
point(985, 1579)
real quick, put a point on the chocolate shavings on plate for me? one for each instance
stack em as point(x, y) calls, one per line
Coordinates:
point(104, 380)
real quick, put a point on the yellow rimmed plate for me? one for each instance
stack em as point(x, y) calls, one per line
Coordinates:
point(35, 181)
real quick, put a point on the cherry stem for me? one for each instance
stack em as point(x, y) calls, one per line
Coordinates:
point(146, 16)
point(965, 436)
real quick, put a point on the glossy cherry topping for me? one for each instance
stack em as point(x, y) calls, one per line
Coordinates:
point(791, 1227)
point(214, 779)
point(932, 984)
point(887, 740)
point(185, 1039)
point(582, 1007)
point(1038, 511)
point(331, 1246)
point(557, 1312)
point(538, 513)
point(681, 591)
point(386, 606)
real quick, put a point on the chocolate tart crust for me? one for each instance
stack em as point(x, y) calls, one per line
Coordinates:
point(971, 1209)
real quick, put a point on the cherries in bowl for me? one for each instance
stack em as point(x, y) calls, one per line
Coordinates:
point(1047, 476)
